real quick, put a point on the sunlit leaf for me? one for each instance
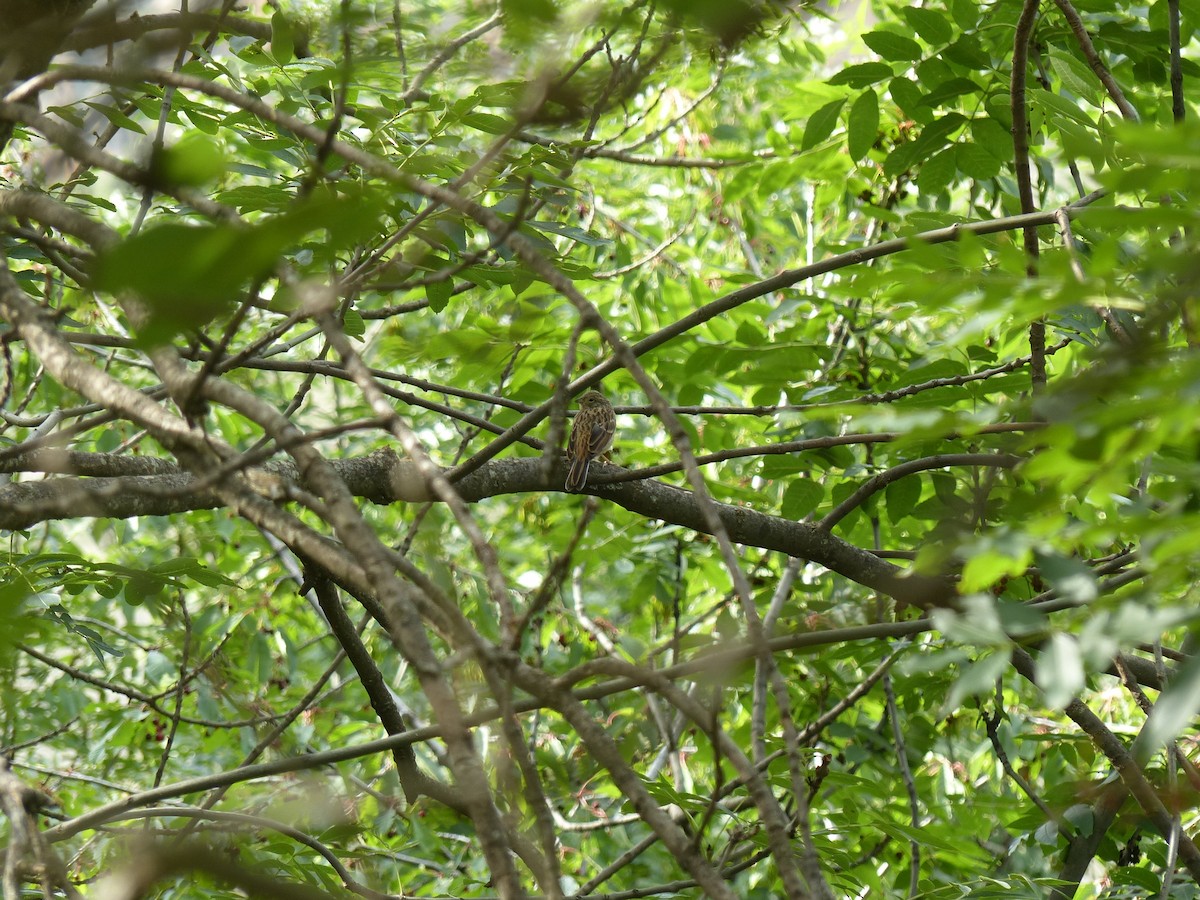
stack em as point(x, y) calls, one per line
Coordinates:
point(1060, 670)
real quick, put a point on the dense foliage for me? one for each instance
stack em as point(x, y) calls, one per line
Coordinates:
point(887, 587)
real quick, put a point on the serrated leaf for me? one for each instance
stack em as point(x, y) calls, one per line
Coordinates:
point(821, 123)
point(1075, 76)
point(353, 324)
point(901, 497)
point(974, 161)
point(800, 498)
point(438, 293)
point(487, 123)
point(862, 125)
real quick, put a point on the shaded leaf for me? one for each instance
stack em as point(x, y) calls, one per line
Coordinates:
point(862, 125)
point(801, 497)
point(821, 123)
point(862, 74)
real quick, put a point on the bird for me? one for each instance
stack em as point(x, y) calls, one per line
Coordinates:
point(591, 436)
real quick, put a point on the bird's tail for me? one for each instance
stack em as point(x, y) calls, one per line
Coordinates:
point(577, 477)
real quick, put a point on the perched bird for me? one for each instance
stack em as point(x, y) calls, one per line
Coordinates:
point(591, 436)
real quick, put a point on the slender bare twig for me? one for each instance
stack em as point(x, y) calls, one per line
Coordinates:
point(446, 53)
point(1093, 59)
point(914, 801)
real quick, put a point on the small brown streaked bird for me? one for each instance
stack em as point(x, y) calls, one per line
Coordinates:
point(591, 436)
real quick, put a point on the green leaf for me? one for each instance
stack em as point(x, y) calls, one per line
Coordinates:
point(1173, 712)
point(572, 231)
point(201, 119)
point(115, 117)
point(950, 90)
point(932, 138)
point(1054, 105)
point(821, 123)
point(1148, 883)
point(800, 498)
point(1075, 76)
point(186, 274)
point(902, 159)
point(976, 622)
point(893, 46)
point(1083, 817)
point(992, 137)
point(196, 159)
point(353, 324)
point(906, 94)
point(937, 173)
point(1069, 576)
point(901, 497)
point(978, 678)
point(487, 123)
point(973, 160)
point(141, 587)
point(439, 293)
point(528, 20)
point(862, 125)
point(189, 274)
point(929, 24)
point(282, 41)
point(1060, 670)
point(729, 21)
point(862, 74)
point(968, 51)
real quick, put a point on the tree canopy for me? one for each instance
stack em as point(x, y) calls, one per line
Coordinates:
point(885, 589)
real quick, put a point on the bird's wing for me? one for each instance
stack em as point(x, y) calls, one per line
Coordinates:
point(598, 436)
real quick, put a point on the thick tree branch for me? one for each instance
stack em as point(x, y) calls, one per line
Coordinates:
point(382, 478)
